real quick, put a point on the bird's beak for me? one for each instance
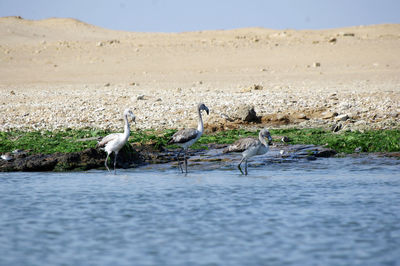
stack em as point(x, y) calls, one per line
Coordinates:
point(134, 119)
point(207, 111)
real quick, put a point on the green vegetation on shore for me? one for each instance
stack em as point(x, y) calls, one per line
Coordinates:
point(77, 140)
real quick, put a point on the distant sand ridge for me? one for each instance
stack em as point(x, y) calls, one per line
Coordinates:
point(60, 73)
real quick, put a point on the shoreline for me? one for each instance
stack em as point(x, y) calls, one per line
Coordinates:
point(74, 150)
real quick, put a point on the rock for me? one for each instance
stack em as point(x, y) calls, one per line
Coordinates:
point(282, 117)
point(316, 64)
point(285, 139)
point(246, 113)
point(257, 87)
point(311, 157)
point(311, 150)
point(252, 87)
point(300, 116)
point(84, 160)
point(140, 97)
point(336, 128)
point(226, 117)
point(107, 85)
point(358, 149)
point(6, 157)
point(328, 115)
point(332, 40)
point(343, 117)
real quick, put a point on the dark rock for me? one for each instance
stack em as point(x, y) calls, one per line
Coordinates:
point(84, 160)
point(336, 128)
point(311, 158)
point(311, 150)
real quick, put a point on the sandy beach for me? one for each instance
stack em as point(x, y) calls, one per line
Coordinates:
point(63, 73)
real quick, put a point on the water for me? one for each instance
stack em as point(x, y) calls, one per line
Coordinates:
point(325, 212)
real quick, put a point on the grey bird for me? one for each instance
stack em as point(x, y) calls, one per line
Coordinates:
point(250, 147)
point(186, 137)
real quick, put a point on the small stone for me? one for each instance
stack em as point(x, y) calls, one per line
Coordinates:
point(328, 114)
point(107, 85)
point(7, 156)
point(349, 34)
point(316, 64)
point(285, 139)
point(140, 97)
point(358, 149)
point(300, 116)
point(343, 117)
point(336, 128)
point(248, 89)
point(257, 87)
point(282, 117)
point(332, 40)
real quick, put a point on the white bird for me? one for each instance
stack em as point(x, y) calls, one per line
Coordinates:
point(114, 142)
point(186, 137)
point(251, 147)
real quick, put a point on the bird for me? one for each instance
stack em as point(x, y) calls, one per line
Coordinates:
point(186, 137)
point(114, 142)
point(250, 147)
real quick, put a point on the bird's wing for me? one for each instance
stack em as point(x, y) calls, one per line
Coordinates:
point(183, 136)
point(241, 145)
point(103, 142)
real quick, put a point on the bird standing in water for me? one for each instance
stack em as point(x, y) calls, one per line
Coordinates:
point(114, 142)
point(251, 147)
point(186, 137)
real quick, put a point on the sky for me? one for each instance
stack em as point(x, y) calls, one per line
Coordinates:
point(196, 15)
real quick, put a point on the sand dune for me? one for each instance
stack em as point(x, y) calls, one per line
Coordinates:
point(70, 58)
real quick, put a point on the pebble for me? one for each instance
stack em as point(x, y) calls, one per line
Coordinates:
point(328, 115)
point(98, 106)
point(343, 117)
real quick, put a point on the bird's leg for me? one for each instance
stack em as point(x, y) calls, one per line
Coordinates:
point(240, 167)
point(115, 162)
point(177, 158)
point(105, 163)
point(184, 156)
point(245, 165)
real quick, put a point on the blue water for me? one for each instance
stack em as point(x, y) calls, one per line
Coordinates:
point(326, 212)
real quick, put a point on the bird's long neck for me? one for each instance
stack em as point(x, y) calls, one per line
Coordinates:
point(127, 130)
point(200, 126)
point(262, 140)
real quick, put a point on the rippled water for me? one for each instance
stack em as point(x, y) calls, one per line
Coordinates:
point(324, 212)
